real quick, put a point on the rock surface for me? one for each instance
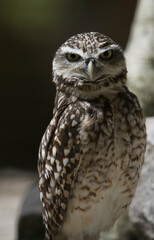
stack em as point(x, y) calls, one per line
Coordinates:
point(142, 208)
point(30, 226)
point(140, 63)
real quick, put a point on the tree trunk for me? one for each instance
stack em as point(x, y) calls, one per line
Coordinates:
point(140, 55)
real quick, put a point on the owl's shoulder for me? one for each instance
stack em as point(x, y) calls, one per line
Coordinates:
point(127, 103)
point(129, 119)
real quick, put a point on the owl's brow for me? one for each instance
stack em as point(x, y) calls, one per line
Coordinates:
point(110, 47)
point(105, 44)
point(66, 49)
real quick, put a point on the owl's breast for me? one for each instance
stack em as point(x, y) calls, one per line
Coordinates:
point(111, 159)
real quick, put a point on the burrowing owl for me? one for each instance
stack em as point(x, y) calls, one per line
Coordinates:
point(92, 151)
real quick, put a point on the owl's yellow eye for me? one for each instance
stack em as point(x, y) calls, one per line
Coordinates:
point(72, 57)
point(106, 55)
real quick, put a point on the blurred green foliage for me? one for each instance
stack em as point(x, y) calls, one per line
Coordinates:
point(31, 13)
point(27, 16)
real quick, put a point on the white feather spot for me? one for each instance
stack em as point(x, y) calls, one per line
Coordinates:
point(52, 122)
point(52, 183)
point(48, 195)
point(66, 152)
point(41, 181)
point(74, 123)
point(65, 161)
point(72, 116)
point(73, 99)
point(48, 134)
point(46, 175)
point(57, 191)
point(62, 126)
point(56, 174)
point(52, 160)
point(43, 153)
point(41, 196)
point(48, 167)
point(54, 150)
point(59, 168)
point(77, 111)
point(70, 134)
point(100, 114)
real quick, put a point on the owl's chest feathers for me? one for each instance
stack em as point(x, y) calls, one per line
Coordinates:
point(106, 179)
point(106, 148)
point(105, 135)
point(107, 144)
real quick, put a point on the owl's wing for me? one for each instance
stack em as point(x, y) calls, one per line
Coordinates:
point(59, 159)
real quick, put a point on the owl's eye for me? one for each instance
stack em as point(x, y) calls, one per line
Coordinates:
point(106, 55)
point(72, 57)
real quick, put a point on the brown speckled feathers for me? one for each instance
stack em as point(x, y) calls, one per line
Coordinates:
point(91, 154)
point(59, 165)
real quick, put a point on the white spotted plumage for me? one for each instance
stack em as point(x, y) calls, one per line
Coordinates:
point(92, 152)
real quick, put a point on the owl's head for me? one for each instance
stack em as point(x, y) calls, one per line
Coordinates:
point(89, 65)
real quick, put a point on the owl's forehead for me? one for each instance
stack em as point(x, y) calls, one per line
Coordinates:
point(88, 42)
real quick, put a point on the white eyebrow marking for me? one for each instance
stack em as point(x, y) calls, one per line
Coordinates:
point(67, 49)
point(88, 54)
point(110, 47)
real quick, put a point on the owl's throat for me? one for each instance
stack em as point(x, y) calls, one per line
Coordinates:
point(106, 87)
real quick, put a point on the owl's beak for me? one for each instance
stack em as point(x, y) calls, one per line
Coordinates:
point(90, 69)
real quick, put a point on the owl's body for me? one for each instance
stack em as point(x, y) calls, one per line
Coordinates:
point(92, 151)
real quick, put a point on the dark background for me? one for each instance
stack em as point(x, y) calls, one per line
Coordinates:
point(30, 33)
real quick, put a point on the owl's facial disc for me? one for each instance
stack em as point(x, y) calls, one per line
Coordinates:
point(89, 67)
point(89, 62)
